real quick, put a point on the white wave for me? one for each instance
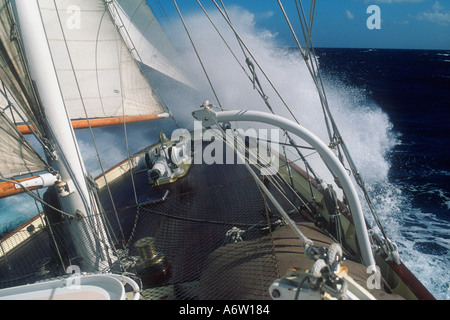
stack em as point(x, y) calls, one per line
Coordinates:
point(364, 126)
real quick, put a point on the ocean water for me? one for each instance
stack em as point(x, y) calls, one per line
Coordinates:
point(411, 87)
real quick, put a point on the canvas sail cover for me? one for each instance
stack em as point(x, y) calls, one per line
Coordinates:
point(97, 74)
point(18, 157)
point(153, 48)
point(13, 70)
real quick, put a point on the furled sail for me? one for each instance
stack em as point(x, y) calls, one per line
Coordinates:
point(18, 157)
point(97, 74)
point(152, 47)
point(13, 70)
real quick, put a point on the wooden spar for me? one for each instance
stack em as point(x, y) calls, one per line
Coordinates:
point(11, 188)
point(102, 122)
point(8, 189)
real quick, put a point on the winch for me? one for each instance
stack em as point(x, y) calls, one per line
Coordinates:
point(328, 279)
point(152, 266)
point(166, 162)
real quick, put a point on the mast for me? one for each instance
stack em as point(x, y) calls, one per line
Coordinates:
point(88, 233)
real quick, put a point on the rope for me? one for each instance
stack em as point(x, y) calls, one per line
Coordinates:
point(259, 66)
point(13, 109)
point(255, 79)
point(336, 139)
point(125, 124)
point(35, 197)
point(64, 160)
point(196, 52)
point(93, 231)
point(226, 43)
point(304, 240)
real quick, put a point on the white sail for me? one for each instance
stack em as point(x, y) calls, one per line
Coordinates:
point(98, 76)
point(47, 57)
point(18, 157)
point(152, 47)
point(13, 71)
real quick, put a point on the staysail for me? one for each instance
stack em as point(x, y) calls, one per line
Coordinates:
point(97, 74)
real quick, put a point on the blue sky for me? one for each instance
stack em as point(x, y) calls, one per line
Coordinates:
point(405, 24)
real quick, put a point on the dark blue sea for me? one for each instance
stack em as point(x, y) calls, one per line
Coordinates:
point(413, 88)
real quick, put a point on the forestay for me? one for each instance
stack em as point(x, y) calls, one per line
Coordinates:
point(97, 74)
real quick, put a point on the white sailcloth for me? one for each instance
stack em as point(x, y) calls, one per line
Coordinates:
point(18, 157)
point(152, 46)
point(10, 108)
point(97, 74)
point(13, 71)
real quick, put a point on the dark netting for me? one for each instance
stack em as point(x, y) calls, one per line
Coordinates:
point(39, 251)
point(201, 218)
point(180, 239)
point(209, 235)
point(189, 229)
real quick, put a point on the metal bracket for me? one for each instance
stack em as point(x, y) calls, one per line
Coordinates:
point(65, 188)
point(204, 115)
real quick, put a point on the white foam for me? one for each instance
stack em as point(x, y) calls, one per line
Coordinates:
point(364, 126)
